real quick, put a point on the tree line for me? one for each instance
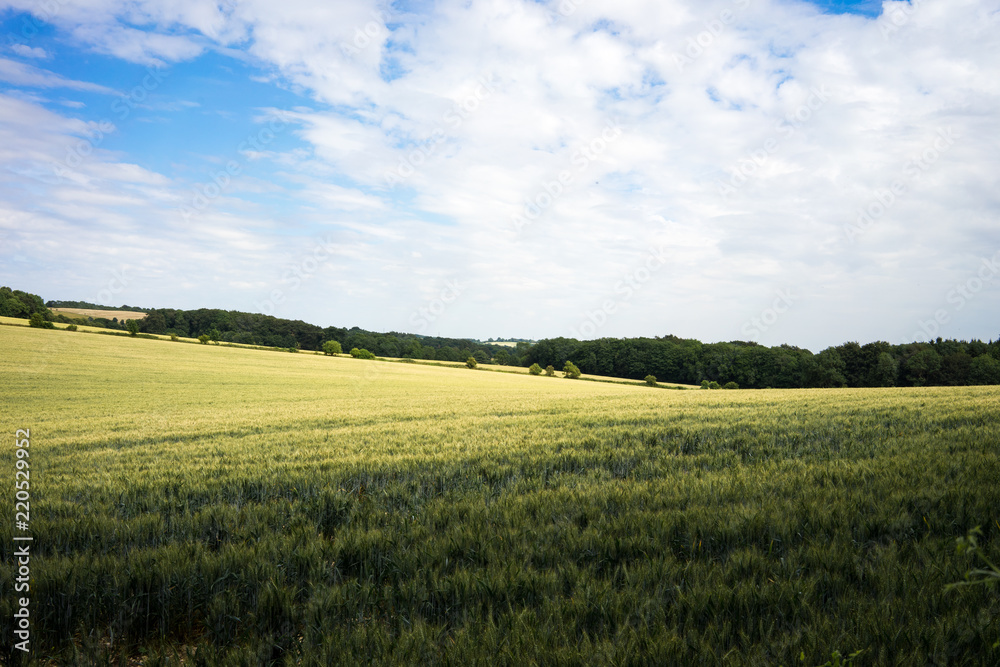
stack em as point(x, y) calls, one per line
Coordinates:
point(269, 331)
point(750, 365)
point(669, 359)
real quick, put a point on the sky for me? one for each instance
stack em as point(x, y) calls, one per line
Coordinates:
point(777, 171)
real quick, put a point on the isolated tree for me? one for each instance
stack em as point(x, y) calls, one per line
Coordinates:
point(332, 347)
point(535, 369)
point(731, 385)
point(132, 326)
point(471, 362)
point(704, 384)
point(550, 371)
point(71, 327)
point(651, 380)
point(571, 371)
point(714, 385)
point(362, 353)
point(203, 339)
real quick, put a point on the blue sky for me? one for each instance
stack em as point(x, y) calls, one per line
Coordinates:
point(871, 8)
point(770, 170)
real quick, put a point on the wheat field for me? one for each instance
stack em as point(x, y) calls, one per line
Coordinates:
point(199, 504)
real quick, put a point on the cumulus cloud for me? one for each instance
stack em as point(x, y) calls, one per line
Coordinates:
point(541, 151)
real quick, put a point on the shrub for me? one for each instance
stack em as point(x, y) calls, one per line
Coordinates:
point(471, 362)
point(132, 326)
point(535, 369)
point(731, 385)
point(36, 320)
point(571, 371)
point(704, 384)
point(332, 347)
point(203, 339)
point(361, 354)
point(549, 370)
point(651, 380)
point(293, 349)
point(174, 337)
point(71, 327)
point(714, 385)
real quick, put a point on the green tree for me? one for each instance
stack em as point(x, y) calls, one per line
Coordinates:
point(984, 369)
point(154, 322)
point(332, 347)
point(535, 369)
point(651, 380)
point(550, 371)
point(731, 385)
point(361, 354)
point(203, 339)
point(471, 362)
point(922, 367)
point(132, 326)
point(571, 371)
point(886, 371)
point(71, 327)
point(36, 320)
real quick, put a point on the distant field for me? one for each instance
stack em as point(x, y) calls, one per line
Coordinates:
point(235, 506)
point(109, 314)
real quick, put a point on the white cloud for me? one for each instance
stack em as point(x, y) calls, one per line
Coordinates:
point(21, 74)
point(26, 51)
point(808, 117)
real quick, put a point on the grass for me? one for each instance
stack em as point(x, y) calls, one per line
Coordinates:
point(223, 506)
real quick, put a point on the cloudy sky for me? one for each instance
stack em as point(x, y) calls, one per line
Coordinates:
point(781, 171)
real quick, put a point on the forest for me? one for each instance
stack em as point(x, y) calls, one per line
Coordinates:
point(669, 358)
